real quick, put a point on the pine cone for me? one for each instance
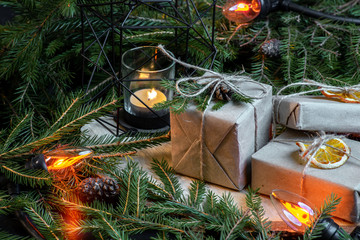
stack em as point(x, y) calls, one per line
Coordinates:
point(223, 92)
point(98, 188)
point(271, 48)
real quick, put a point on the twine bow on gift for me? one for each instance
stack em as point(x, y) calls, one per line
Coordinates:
point(209, 79)
point(312, 150)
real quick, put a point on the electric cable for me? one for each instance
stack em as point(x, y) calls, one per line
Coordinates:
point(288, 5)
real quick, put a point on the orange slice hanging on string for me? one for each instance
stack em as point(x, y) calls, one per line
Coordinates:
point(333, 154)
point(350, 96)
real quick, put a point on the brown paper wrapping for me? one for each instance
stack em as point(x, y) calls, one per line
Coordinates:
point(317, 113)
point(231, 135)
point(277, 166)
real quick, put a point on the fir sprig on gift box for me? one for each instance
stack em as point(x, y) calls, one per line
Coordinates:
point(179, 103)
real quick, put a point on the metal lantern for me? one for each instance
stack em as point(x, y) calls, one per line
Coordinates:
point(119, 40)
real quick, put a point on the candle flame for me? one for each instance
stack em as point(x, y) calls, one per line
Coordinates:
point(302, 214)
point(151, 94)
point(61, 162)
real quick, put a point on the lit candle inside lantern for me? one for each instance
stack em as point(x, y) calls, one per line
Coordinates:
point(143, 69)
point(149, 96)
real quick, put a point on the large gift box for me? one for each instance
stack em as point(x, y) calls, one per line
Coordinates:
point(278, 166)
point(222, 154)
point(315, 113)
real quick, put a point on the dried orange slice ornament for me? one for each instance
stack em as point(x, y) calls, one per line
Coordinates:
point(333, 154)
point(350, 96)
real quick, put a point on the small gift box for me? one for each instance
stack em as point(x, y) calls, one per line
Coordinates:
point(217, 147)
point(315, 113)
point(278, 166)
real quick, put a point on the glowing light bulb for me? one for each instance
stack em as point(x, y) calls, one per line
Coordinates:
point(297, 212)
point(64, 157)
point(242, 11)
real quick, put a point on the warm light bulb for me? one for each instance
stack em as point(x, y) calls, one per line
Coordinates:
point(296, 211)
point(64, 157)
point(242, 11)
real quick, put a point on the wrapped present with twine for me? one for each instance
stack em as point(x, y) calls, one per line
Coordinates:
point(279, 165)
point(216, 146)
point(319, 113)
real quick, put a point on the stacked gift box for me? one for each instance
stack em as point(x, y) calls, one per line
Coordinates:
point(231, 147)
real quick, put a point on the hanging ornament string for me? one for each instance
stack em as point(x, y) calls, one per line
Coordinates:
point(211, 78)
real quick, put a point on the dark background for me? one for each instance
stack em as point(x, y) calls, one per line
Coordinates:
point(6, 14)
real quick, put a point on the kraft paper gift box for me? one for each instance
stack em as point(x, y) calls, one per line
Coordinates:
point(231, 134)
point(315, 113)
point(278, 166)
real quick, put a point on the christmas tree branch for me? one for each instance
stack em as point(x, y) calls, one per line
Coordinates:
point(63, 130)
point(65, 112)
point(236, 224)
point(43, 221)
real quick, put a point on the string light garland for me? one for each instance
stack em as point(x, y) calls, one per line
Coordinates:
point(298, 213)
point(244, 11)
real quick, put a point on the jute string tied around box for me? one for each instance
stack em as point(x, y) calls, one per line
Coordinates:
point(214, 79)
point(312, 149)
point(309, 83)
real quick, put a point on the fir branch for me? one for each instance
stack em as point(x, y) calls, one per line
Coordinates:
point(261, 224)
point(29, 42)
point(112, 226)
point(19, 174)
point(65, 112)
point(211, 201)
point(122, 219)
point(159, 190)
point(133, 181)
point(237, 224)
point(9, 236)
point(15, 132)
point(141, 139)
point(127, 192)
point(167, 176)
point(42, 219)
point(63, 130)
point(326, 209)
point(6, 204)
point(114, 155)
point(196, 193)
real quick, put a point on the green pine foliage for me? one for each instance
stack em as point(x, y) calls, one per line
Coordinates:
point(8, 236)
point(44, 106)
